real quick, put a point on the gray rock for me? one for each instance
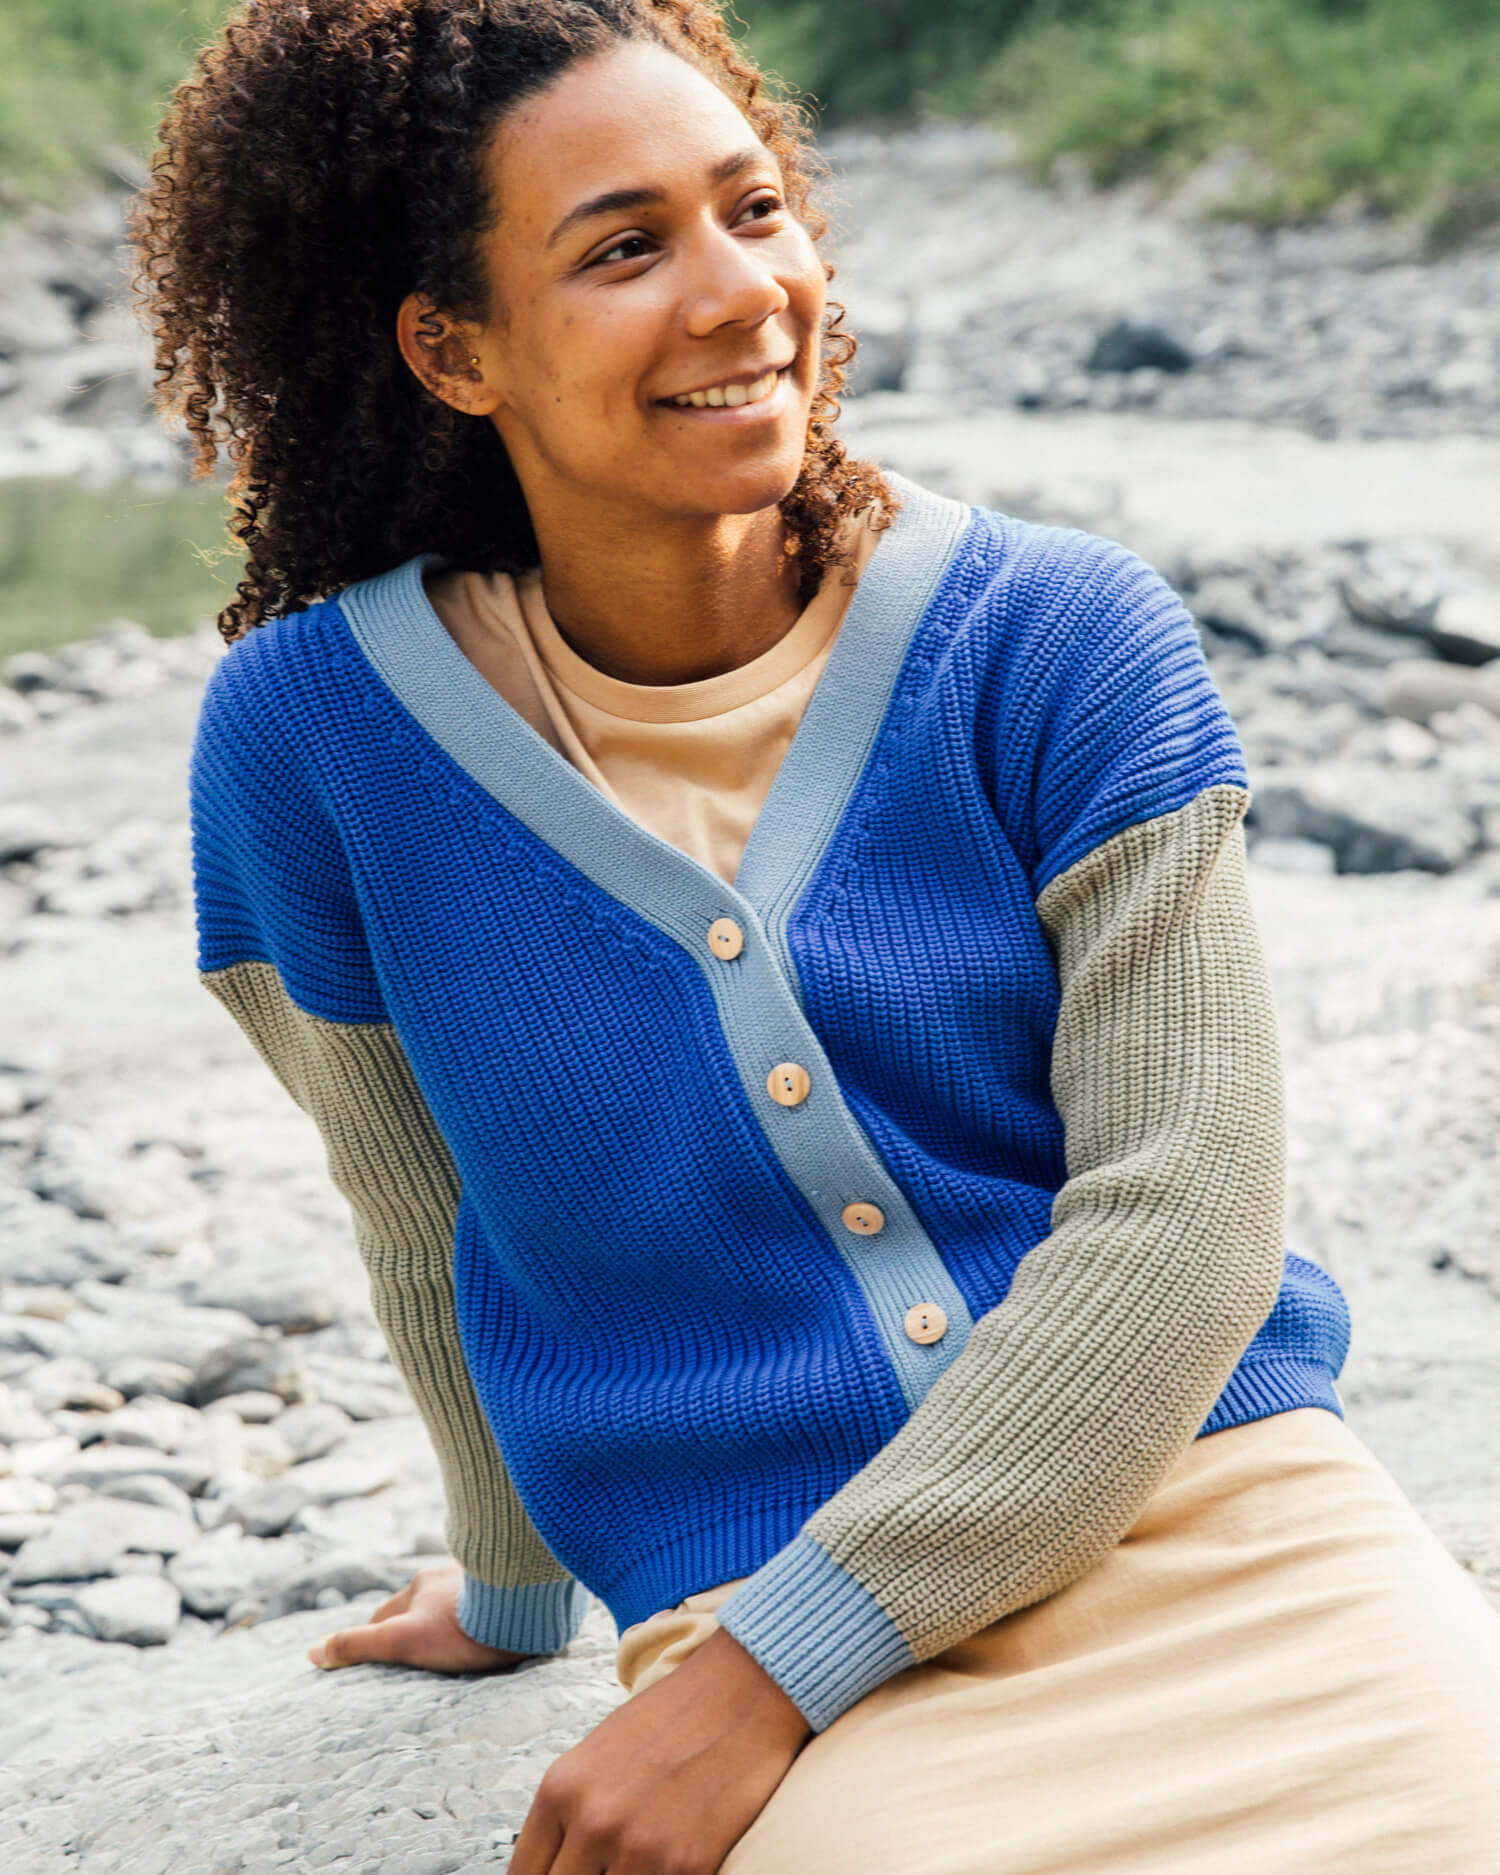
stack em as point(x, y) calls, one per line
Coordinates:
point(135, 1374)
point(7, 1616)
point(139, 1610)
point(107, 895)
point(87, 1539)
point(39, 1458)
point(52, 1303)
point(350, 1573)
point(1418, 691)
point(27, 1495)
point(289, 1296)
point(256, 1409)
point(138, 1563)
point(251, 1363)
point(49, 1595)
point(71, 1382)
point(1467, 628)
point(330, 1480)
point(19, 1527)
point(1126, 346)
point(265, 1509)
point(20, 1419)
point(313, 1429)
point(1374, 819)
point(120, 1322)
point(1391, 603)
point(31, 1334)
point(21, 1091)
point(163, 1425)
point(144, 1489)
point(26, 831)
point(227, 1568)
point(46, 1243)
point(363, 1389)
point(103, 1464)
point(70, 1169)
point(263, 1451)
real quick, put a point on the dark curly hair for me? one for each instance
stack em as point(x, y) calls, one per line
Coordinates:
point(322, 161)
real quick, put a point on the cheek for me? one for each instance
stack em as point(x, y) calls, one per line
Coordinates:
point(807, 286)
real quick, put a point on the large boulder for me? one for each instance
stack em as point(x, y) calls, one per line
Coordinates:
point(1374, 819)
point(88, 1539)
point(141, 1611)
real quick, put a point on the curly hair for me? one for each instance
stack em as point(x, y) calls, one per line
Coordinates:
point(322, 161)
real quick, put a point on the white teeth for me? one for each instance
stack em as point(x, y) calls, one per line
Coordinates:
point(732, 395)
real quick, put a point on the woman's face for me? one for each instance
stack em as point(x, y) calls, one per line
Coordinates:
point(644, 255)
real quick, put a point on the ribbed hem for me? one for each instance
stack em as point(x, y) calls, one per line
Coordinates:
point(1278, 1384)
point(539, 1619)
point(820, 1635)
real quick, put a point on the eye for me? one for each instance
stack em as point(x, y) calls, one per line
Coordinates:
point(628, 247)
point(761, 207)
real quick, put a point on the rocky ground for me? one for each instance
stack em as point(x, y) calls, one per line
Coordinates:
point(206, 1458)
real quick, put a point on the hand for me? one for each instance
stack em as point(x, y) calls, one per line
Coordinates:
point(671, 1780)
point(417, 1627)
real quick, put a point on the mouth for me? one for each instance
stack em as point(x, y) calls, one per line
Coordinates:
point(731, 393)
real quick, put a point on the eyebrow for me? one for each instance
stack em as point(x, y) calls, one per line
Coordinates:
point(618, 201)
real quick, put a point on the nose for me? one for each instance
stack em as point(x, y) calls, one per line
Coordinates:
point(729, 283)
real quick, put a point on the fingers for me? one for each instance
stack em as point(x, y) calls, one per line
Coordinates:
point(398, 1603)
point(383, 1640)
point(540, 1839)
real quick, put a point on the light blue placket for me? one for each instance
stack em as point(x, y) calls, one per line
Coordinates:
point(821, 1146)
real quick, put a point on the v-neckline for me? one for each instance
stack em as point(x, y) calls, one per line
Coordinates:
point(400, 633)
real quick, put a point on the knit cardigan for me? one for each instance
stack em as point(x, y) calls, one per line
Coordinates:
point(881, 1227)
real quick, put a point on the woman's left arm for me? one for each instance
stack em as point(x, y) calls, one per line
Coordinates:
point(1039, 1447)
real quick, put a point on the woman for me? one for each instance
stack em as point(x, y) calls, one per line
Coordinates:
point(768, 950)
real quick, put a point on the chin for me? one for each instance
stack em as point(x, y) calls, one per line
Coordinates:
point(746, 491)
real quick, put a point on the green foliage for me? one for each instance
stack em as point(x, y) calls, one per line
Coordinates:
point(79, 75)
point(72, 557)
point(1392, 102)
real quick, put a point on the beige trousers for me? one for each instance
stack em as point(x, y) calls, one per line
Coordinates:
point(1279, 1671)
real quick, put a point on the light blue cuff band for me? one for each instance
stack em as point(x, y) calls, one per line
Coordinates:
point(539, 1619)
point(820, 1635)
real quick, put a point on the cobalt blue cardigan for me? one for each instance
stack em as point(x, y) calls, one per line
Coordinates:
point(681, 1346)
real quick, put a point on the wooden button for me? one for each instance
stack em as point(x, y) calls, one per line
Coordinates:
point(787, 1084)
point(926, 1323)
point(866, 1219)
point(725, 938)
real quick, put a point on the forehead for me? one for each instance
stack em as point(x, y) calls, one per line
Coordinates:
point(634, 117)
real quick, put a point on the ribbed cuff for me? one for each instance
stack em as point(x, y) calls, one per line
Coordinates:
point(539, 1619)
point(820, 1635)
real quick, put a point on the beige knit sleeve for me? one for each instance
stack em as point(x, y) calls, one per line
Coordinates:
point(387, 1158)
point(1038, 1449)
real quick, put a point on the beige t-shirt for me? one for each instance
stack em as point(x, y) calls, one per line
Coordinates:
point(693, 763)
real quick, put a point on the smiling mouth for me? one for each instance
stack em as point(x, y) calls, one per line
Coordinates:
point(727, 395)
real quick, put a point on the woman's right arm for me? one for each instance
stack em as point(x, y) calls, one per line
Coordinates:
point(267, 873)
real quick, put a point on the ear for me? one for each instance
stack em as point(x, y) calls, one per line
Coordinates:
point(446, 354)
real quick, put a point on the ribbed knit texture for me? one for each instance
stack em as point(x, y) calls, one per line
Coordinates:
point(388, 1159)
point(1035, 1453)
point(676, 1357)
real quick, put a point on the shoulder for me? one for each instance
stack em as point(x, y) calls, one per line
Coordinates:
point(1096, 710)
point(275, 670)
point(1060, 590)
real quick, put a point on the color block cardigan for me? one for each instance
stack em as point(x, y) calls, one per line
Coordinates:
point(998, 945)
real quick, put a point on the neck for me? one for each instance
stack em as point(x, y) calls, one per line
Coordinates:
point(673, 605)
